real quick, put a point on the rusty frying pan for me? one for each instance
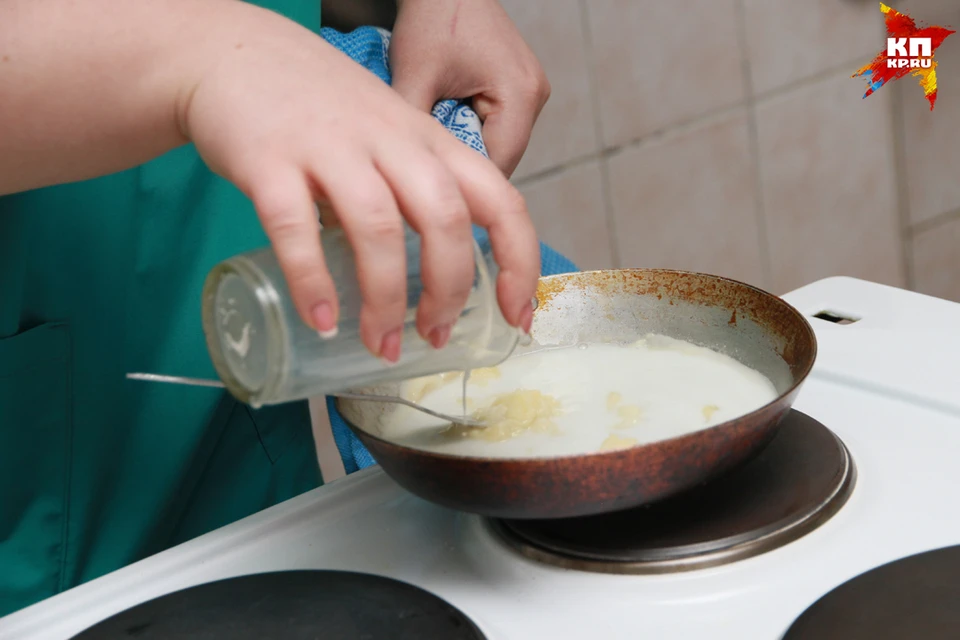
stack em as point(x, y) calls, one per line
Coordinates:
point(756, 328)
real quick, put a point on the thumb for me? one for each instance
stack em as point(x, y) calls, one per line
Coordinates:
point(506, 132)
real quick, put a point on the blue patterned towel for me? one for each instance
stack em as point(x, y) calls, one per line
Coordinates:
point(370, 46)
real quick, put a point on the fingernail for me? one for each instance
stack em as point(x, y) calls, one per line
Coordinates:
point(526, 318)
point(439, 336)
point(323, 320)
point(390, 347)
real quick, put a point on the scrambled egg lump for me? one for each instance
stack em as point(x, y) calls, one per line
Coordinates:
point(481, 377)
point(615, 442)
point(513, 414)
point(613, 399)
point(418, 389)
point(629, 416)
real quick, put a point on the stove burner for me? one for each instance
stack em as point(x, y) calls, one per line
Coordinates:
point(798, 482)
point(293, 605)
point(915, 597)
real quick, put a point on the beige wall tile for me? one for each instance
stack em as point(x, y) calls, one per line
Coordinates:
point(827, 172)
point(687, 201)
point(567, 209)
point(566, 128)
point(932, 138)
point(789, 40)
point(946, 13)
point(656, 64)
point(936, 260)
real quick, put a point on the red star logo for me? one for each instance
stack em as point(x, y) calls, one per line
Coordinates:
point(908, 58)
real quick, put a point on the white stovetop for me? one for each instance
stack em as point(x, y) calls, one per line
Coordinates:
point(888, 385)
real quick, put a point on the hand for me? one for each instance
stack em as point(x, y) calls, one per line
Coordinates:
point(291, 120)
point(454, 49)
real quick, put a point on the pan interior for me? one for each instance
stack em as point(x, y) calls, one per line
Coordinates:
point(621, 307)
point(601, 307)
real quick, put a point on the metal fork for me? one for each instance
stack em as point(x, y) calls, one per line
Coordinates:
point(201, 382)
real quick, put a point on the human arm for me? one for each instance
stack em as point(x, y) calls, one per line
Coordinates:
point(94, 86)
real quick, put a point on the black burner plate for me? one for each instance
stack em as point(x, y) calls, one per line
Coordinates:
point(916, 598)
point(293, 605)
point(795, 484)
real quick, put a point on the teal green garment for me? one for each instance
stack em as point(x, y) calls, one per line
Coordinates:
point(98, 279)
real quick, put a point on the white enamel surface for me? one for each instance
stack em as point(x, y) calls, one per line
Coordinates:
point(889, 393)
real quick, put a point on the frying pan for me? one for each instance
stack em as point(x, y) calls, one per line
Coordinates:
point(756, 328)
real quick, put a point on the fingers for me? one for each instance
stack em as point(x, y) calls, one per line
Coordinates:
point(505, 133)
point(288, 216)
point(507, 125)
point(508, 122)
point(430, 199)
point(496, 205)
point(368, 213)
point(439, 190)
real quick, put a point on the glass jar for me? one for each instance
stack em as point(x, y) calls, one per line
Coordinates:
point(265, 354)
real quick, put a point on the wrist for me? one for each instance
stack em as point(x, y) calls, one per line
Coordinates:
point(221, 32)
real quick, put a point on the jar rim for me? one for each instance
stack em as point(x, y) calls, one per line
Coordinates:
point(277, 352)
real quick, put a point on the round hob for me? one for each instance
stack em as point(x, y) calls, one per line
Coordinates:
point(798, 482)
point(910, 599)
point(292, 605)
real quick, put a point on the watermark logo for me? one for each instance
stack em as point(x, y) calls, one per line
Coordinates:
point(920, 56)
point(910, 51)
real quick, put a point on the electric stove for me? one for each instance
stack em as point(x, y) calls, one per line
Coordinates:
point(863, 474)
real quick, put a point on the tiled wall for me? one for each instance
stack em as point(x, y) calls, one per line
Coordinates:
point(727, 136)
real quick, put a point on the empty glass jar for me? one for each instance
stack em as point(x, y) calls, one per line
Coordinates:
point(265, 354)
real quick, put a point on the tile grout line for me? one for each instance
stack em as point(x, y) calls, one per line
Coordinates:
point(902, 185)
point(932, 223)
point(677, 128)
point(600, 144)
point(852, 63)
point(753, 135)
point(554, 171)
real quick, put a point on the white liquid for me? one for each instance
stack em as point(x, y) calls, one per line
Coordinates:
point(610, 395)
